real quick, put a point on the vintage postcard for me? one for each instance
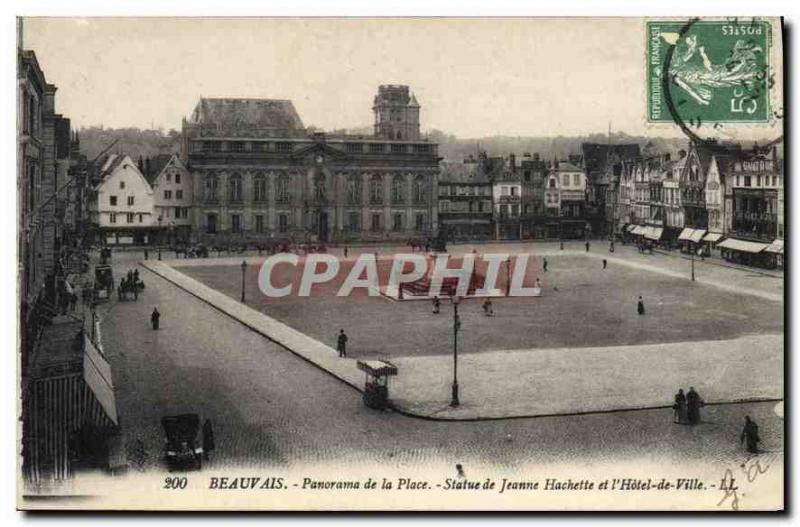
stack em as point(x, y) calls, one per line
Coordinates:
point(401, 264)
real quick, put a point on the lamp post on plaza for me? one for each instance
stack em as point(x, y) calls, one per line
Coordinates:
point(692, 249)
point(456, 326)
point(244, 267)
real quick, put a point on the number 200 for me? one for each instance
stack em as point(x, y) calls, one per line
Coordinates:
point(176, 483)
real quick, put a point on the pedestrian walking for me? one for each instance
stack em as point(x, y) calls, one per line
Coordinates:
point(345, 251)
point(611, 247)
point(436, 304)
point(488, 310)
point(750, 435)
point(208, 439)
point(135, 276)
point(605, 263)
point(679, 408)
point(538, 284)
point(130, 276)
point(544, 264)
point(587, 245)
point(146, 254)
point(460, 471)
point(640, 306)
point(155, 316)
point(693, 404)
point(341, 344)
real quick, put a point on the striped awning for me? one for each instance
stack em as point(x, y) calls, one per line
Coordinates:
point(639, 230)
point(630, 228)
point(712, 237)
point(686, 234)
point(775, 247)
point(742, 245)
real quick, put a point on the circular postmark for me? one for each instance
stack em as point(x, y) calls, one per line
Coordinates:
point(717, 81)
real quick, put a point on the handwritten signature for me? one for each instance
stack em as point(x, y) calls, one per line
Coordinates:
point(752, 469)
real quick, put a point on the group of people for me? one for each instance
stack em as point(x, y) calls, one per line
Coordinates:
point(687, 407)
point(131, 278)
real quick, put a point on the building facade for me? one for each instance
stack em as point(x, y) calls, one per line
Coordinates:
point(257, 172)
point(465, 199)
point(173, 196)
point(122, 206)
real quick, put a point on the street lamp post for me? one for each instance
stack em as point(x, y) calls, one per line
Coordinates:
point(456, 326)
point(692, 250)
point(244, 267)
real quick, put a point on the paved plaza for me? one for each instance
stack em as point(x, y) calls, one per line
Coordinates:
point(580, 348)
point(271, 407)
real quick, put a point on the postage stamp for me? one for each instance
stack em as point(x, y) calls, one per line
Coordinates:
point(709, 71)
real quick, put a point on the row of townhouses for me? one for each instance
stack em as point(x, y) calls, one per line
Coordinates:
point(68, 409)
point(710, 197)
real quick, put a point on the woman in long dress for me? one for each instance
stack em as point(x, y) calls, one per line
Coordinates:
point(681, 411)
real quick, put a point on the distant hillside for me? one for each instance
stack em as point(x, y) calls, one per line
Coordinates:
point(132, 141)
point(147, 143)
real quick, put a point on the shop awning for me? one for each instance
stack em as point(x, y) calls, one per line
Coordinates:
point(697, 235)
point(654, 233)
point(742, 245)
point(97, 374)
point(630, 228)
point(639, 230)
point(712, 237)
point(775, 247)
point(686, 235)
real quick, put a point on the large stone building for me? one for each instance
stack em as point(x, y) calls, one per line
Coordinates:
point(257, 172)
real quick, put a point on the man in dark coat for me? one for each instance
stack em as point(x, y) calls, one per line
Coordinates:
point(208, 438)
point(154, 317)
point(588, 245)
point(605, 263)
point(693, 404)
point(135, 276)
point(341, 344)
point(436, 305)
point(680, 408)
point(750, 435)
point(640, 306)
point(544, 264)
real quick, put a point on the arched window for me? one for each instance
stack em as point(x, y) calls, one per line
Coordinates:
point(259, 188)
point(235, 187)
point(212, 183)
point(398, 189)
point(282, 189)
point(376, 189)
point(552, 182)
point(420, 190)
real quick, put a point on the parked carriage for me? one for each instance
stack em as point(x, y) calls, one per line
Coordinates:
point(181, 449)
point(103, 282)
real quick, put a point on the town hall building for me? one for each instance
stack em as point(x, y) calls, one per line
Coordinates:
point(258, 172)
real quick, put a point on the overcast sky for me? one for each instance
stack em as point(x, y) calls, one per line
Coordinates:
point(472, 78)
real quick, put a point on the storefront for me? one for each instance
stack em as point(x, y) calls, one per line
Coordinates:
point(745, 252)
point(690, 239)
point(710, 242)
point(775, 252)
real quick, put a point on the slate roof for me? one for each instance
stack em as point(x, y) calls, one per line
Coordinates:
point(247, 113)
point(464, 172)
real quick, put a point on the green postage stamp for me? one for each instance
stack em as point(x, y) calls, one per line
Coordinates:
point(704, 72)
